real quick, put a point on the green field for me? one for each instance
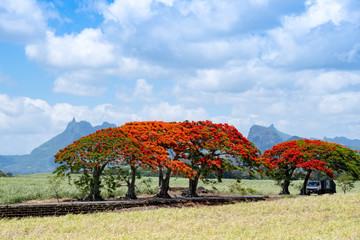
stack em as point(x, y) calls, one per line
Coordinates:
point(315, 217)
point(37, 187)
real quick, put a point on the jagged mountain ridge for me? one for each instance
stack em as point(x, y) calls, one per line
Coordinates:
point(266, 137)
point(41, 159)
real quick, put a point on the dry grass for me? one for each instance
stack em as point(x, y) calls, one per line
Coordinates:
point(314, 217)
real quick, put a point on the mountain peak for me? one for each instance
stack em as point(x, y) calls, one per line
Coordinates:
point(81, 126)
point(41, 159)
point(263, 137)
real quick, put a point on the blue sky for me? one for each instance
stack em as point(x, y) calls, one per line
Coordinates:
point(291, 63)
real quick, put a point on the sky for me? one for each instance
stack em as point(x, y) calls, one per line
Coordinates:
point(294, 64)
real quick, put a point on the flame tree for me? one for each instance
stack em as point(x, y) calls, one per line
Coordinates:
point(283, 159)
point(216, 148)
point(164, 141)
point(91, 154)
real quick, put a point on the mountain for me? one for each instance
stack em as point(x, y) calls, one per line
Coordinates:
point(350, 143)
point(266, 137)
point(41, 159)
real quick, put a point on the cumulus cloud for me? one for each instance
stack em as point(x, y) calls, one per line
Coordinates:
point(341, 103)
point(166, 112)
point(125, 11)
point(143, 91)
point(86, 49)
point(85, 60)
point(21, 20)
point(314, 38)
point(82, 83)
point(220, 15)
point(331, 82)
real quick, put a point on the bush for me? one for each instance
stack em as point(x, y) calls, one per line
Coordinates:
point(346, 182)
point(3, 174)
point(237, 188)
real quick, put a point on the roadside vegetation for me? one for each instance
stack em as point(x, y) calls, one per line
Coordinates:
point(315, 217)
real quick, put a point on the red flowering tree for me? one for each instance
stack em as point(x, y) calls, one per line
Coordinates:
point(283, 159)
point(216, 148)
point(164, 142)
point(91, 154)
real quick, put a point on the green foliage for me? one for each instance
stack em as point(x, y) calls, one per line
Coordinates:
point(346, 182)
point(3, 174)
point(237, 188)
point(82, 182)
point(146, 186)
point(55, 183)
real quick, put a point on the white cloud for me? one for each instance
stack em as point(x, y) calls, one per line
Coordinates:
point(126, 11)
point(132, 67)
point(212, 14)
point(120, 11)
point(86, 49)
point(331, 81)
point(166, 112)
point(341, 103)
point(232, 78)
point(318, 12)
point(259, 2)
point(82, 83)
point(143, 91)
point(21, 20)
point(315, 38)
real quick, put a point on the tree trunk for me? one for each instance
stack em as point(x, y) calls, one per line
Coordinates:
point(285, 188)
point(191, 191)
point(164, 186)
point(307, 177)
point(131, 184)
point(286, 184)
point(161, 177)
point(95, 182)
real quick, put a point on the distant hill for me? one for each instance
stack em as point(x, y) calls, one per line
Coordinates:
point(266, 137)
point(351, 143)
point(41, 159)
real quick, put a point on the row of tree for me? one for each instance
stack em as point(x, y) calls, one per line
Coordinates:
point(3, 174)
point(195, 150)
point(192, 149)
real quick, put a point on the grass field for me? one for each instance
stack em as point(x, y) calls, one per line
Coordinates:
point(29, 187)
point(310, 217)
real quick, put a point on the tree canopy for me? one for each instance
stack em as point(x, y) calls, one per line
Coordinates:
point(91, 154)
point(308, 155)
point(216, 148)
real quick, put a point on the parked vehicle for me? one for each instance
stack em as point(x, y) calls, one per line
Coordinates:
point(321, 186)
